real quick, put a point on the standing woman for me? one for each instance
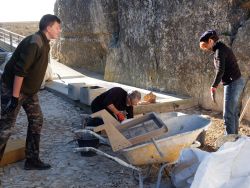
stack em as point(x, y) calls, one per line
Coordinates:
point(227, 72)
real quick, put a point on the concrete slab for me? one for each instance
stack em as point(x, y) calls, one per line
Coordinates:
point(66, 75)
point(74, 90)
point(89, 93)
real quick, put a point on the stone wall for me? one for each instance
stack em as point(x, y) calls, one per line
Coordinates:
point(153, 44)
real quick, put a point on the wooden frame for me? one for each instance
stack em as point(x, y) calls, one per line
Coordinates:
point(116, 131)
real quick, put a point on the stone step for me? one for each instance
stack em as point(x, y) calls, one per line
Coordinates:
point(74, 90)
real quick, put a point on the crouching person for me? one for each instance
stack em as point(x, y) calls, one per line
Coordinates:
point(117, 102)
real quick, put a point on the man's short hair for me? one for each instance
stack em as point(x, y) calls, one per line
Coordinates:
point(134, 95)
point(48, 20)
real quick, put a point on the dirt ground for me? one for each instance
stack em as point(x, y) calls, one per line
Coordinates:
point(71, 170)
point(216, 130)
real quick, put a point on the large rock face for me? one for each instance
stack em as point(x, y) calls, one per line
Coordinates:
point(87, 30)
point(153, 44)
point(241, 47)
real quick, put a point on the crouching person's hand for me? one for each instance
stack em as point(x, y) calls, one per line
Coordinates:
point(120, 116)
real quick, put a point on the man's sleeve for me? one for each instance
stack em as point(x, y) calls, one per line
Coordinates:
point(26, 59)
point(219, 67)
point(112, 96)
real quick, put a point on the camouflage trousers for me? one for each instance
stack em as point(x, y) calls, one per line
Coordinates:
point(32, 108)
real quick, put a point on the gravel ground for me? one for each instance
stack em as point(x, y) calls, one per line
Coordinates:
point(68, 169)
point(216, 130)
point(71, 170)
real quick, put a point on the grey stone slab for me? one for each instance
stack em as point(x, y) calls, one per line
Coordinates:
point(74, 90)
point(89, 93)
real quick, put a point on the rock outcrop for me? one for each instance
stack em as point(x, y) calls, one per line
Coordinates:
point(153, 44)
point(87, 30)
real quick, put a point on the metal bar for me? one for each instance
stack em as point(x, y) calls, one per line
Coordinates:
point(94, 134)
point(116, 159)
point(160, 175)
point(11, 43)
point(10, 38)
point(7, 31)
point(157, 147)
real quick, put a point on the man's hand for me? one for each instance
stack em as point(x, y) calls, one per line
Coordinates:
point(11, 106)
point(120, 116)
point(213, 92)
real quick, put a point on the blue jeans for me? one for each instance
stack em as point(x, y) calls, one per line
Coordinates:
point(231, 111)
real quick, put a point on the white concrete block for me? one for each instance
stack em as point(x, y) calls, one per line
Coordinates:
point(89, 93)
point(74, 90)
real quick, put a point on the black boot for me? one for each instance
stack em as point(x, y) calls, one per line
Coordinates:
point(35, 164)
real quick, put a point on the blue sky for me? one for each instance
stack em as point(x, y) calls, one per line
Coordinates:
point(25, 10)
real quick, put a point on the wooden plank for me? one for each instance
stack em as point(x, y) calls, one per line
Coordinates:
point(100, 128)
point(116, 139)
point(160, 107)
point(115, 130)
point(107, 117)
point(145, 137)
point(14, 151)
point(146, 117)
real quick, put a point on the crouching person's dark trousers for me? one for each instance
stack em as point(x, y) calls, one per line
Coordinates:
point(35, 120)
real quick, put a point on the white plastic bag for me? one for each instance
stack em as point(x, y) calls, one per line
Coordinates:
point(186, 166)
point(226, 168)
